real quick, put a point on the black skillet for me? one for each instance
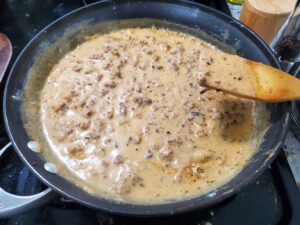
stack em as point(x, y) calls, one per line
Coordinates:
point(64, 34)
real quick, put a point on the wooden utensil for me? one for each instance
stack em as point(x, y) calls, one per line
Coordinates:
point(261, 82)
point(5, 54)
point(265, 17)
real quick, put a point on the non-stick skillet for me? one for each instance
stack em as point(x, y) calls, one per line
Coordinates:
point(64, 34)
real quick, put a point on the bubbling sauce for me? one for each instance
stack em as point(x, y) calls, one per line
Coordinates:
point(125, 114)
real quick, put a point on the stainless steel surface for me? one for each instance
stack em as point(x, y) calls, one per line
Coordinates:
point(287, 42)
point(291, 145)
point(292, 151)
point(296, 106)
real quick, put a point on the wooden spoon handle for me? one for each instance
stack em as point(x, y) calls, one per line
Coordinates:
point(5, 54)
point(249, 79)
point(271, 84)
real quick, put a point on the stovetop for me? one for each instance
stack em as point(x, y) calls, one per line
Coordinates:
point(271, 199)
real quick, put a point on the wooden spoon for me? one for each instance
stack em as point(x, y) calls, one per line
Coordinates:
point(253, 80)
point(5, 54)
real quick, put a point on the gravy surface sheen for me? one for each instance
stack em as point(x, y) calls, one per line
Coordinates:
point(125, 114)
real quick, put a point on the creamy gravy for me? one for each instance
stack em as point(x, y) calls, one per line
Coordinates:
point(125, 114)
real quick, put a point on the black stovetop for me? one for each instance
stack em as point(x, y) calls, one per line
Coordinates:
point(268, 200)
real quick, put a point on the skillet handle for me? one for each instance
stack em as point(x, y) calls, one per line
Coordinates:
point(11, 205)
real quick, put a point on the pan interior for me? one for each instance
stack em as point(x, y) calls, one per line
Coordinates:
point(52, 52)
